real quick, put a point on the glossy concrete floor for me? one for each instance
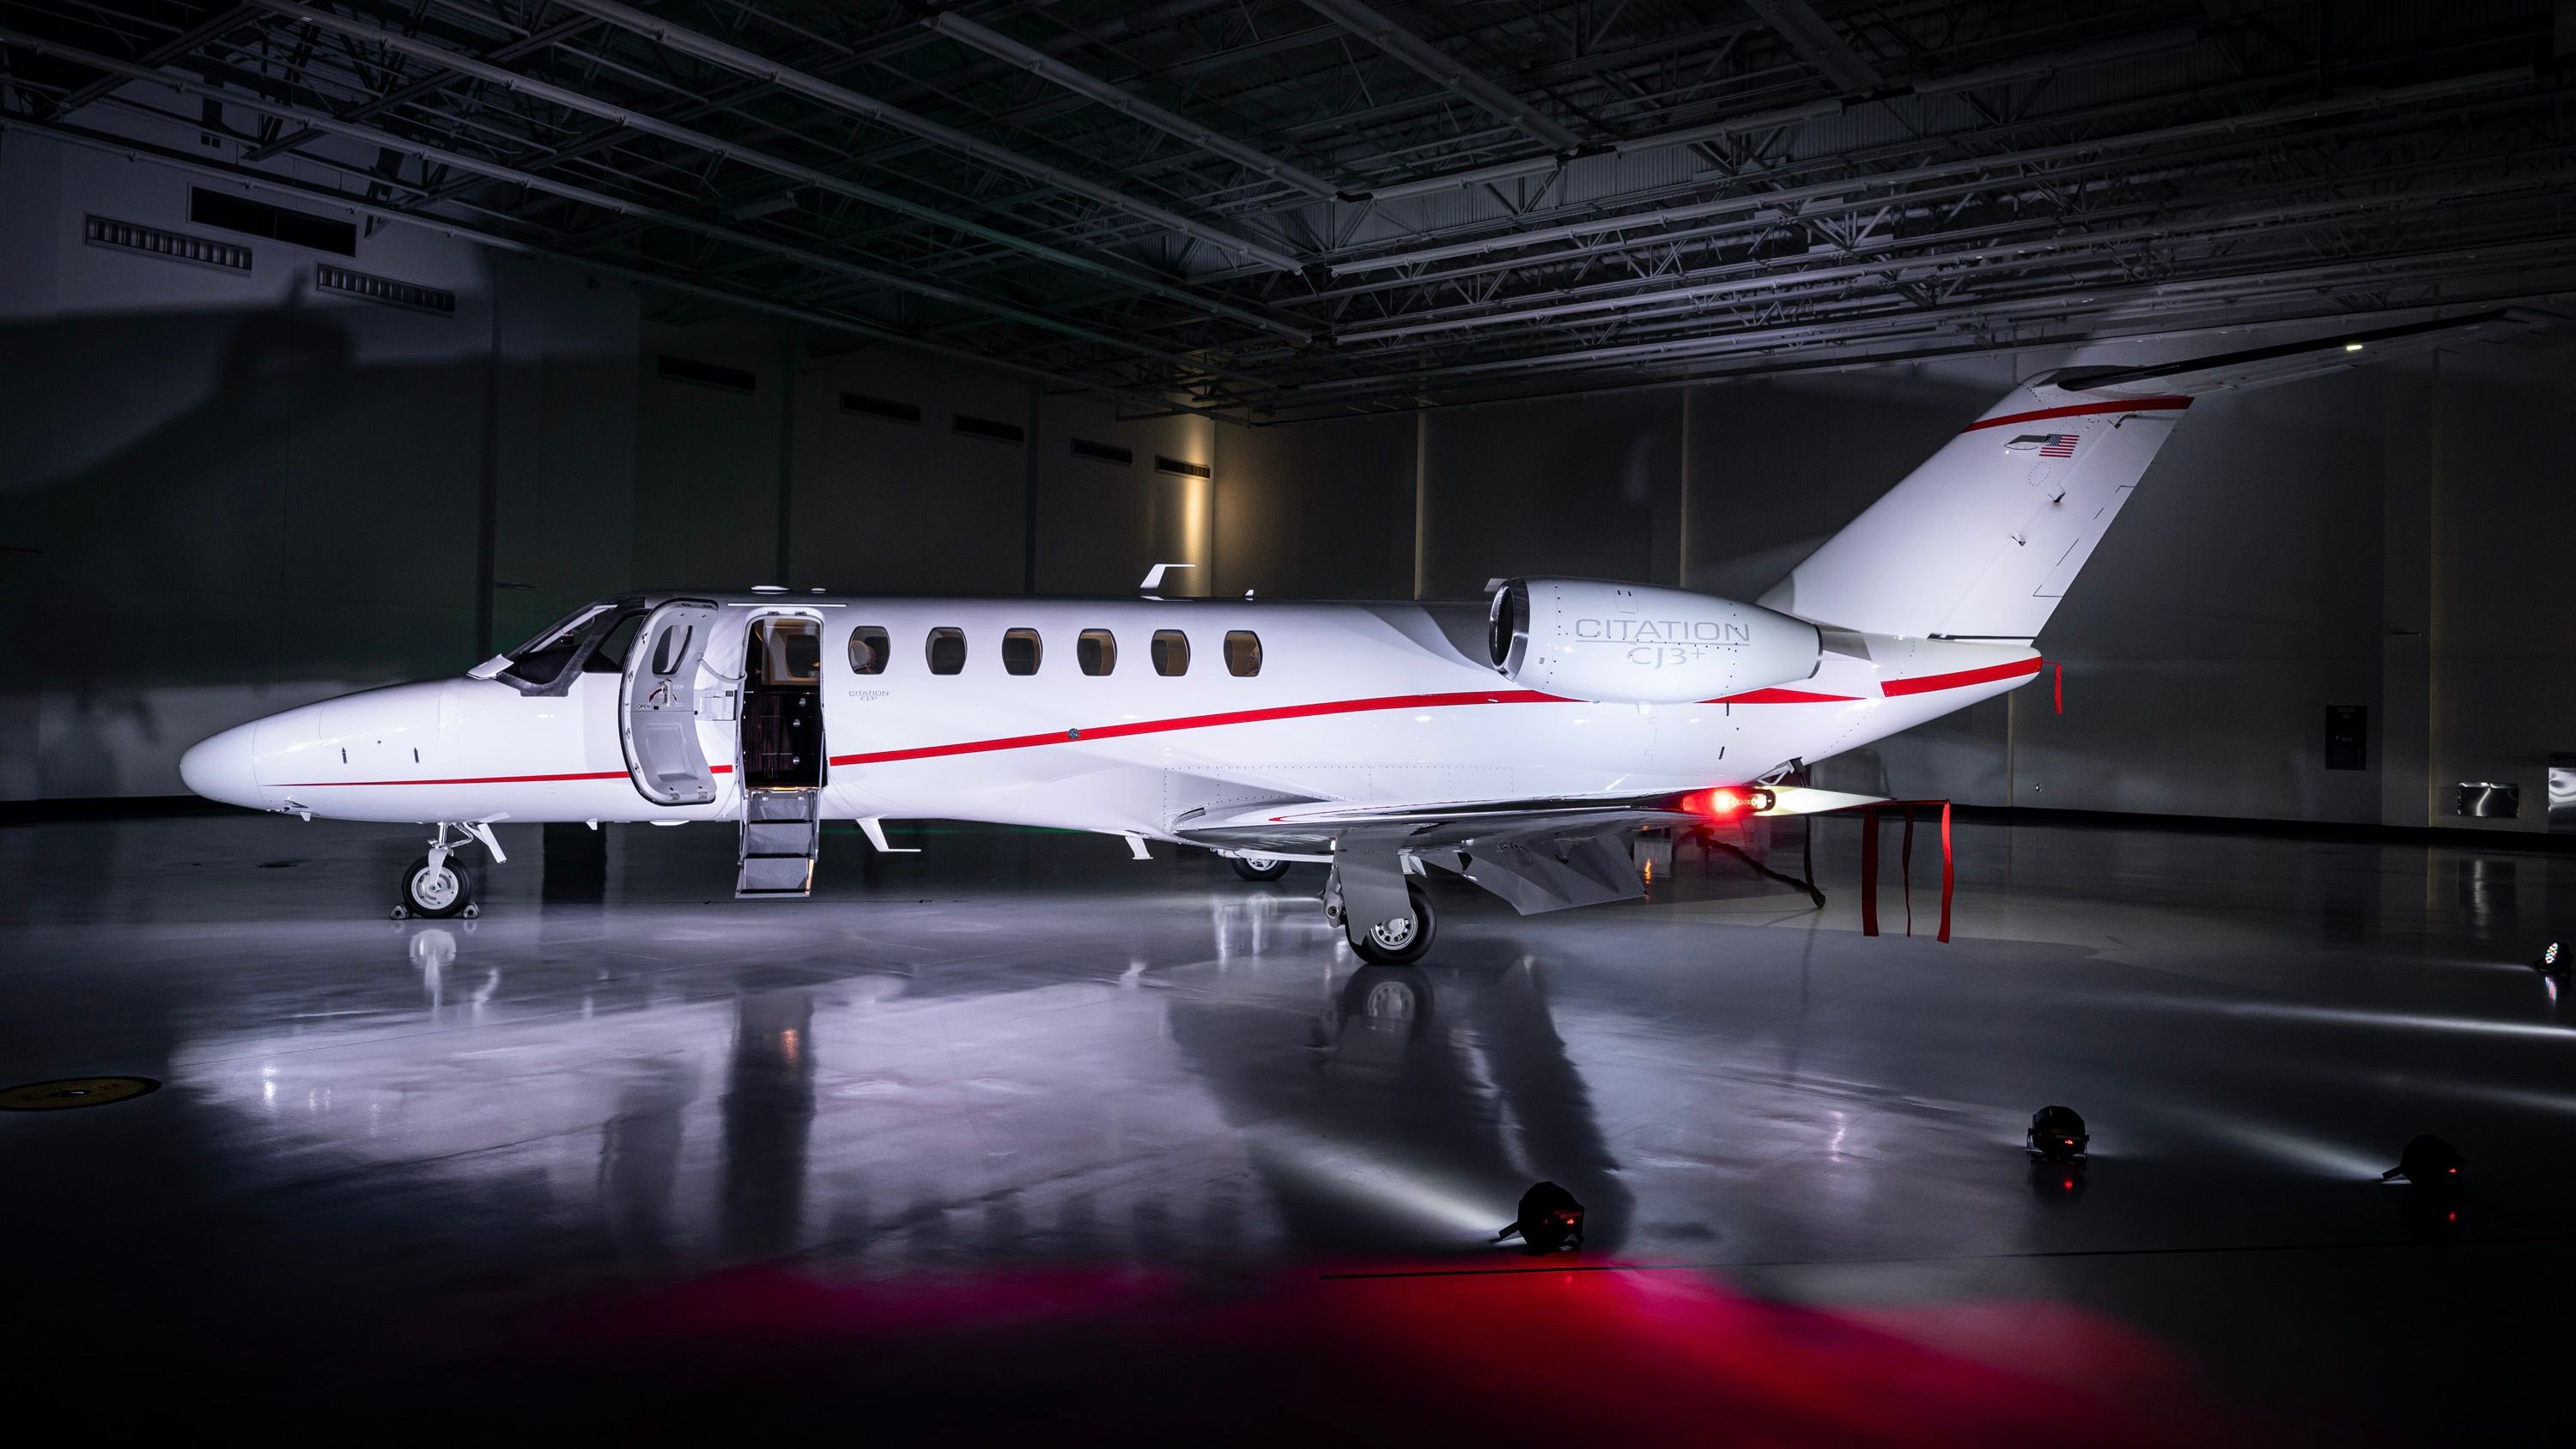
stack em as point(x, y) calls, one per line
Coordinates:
point(1016, 1140)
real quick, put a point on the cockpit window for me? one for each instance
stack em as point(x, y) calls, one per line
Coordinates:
point(543, 659)
point(610, 656)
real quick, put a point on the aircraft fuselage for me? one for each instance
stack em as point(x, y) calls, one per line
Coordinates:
point(1359, 702)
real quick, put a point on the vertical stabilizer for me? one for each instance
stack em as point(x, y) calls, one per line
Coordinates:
point(1983, 540)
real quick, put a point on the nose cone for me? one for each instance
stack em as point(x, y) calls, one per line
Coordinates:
point(219, 768)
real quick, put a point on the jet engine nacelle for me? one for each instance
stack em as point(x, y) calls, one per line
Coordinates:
point(1637, 644)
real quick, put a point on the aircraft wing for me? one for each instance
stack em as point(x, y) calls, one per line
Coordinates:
point(1538, 854)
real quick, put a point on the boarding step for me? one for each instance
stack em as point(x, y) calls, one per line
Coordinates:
point(782, 830)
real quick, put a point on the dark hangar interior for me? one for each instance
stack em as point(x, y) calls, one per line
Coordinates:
point(351, 342)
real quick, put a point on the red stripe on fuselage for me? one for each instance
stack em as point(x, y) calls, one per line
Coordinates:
point(1248, 716)
point(483, 779)
point(1959, 679)
point(2131, 405)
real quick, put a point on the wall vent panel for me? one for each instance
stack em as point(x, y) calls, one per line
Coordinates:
point(100, 231)
point(1181, 468)
point(999, 432)
point(409, 295)
point(277, 223)
point(1103, 452)
point(704, 374)
point(885, 408)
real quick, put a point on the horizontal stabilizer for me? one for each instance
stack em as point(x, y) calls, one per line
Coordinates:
point(2290, 361)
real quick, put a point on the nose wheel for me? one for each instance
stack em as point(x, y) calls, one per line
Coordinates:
point(438, 885)
point(436, 889)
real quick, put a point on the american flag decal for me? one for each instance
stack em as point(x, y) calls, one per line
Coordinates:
point(2050, 445)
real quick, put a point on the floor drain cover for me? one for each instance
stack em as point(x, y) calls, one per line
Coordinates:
point(74, 1092)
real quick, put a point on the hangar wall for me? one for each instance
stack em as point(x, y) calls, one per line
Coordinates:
point(223, 492)
point(2381, 538)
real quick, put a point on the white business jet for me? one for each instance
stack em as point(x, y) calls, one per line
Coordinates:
point(1517, 740)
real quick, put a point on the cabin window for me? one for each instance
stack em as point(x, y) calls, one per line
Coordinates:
point(1096, 650)
point(1171, 652)
point(1020, 651)
point(947, 651)
point(1242, 653)
point(869, 649)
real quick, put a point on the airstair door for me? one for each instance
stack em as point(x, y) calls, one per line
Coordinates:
point(781, 832)
point(658, 714)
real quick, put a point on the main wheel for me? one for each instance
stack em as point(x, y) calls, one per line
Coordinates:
point(1399, 942)
point(1258, 867)
point(436, 893)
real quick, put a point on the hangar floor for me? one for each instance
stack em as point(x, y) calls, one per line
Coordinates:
point(1017, 1140)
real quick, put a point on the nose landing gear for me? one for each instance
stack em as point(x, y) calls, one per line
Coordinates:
point(437, 885)
point(436, 889)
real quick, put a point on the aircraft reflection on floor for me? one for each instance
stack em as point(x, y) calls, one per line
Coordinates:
point(1361, 1110)
point(1433, 1095)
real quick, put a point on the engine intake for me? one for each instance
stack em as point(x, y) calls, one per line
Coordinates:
point(1638, 644)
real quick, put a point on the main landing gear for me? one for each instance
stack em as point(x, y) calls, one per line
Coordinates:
point(1396, 937)
point(438, 885)
point(1258, 867)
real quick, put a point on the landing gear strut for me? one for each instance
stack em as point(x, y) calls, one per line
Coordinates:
point(438, 885)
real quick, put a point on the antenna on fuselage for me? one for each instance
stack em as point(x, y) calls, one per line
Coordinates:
point(1154, 578)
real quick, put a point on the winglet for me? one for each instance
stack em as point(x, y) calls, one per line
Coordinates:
point(1154, 576)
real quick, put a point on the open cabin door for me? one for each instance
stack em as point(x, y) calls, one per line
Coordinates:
point(658, 705)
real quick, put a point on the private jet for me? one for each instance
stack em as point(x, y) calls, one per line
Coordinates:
point(1519, 740)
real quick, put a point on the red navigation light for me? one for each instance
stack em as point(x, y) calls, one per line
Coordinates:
point(1718, 804)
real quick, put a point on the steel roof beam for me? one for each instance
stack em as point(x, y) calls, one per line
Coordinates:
point(615, 205)
point(716, 52)
point(2223, 125)
point(628, 119)
point(1816, 43)
point(993, 43)
point(1421, 55)
point(860, 326)
point(436, 81)
point(159, 55)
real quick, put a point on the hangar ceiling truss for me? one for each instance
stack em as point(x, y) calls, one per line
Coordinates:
point(1268, 210)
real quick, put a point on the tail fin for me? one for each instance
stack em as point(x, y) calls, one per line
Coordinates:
point(1983, 539)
